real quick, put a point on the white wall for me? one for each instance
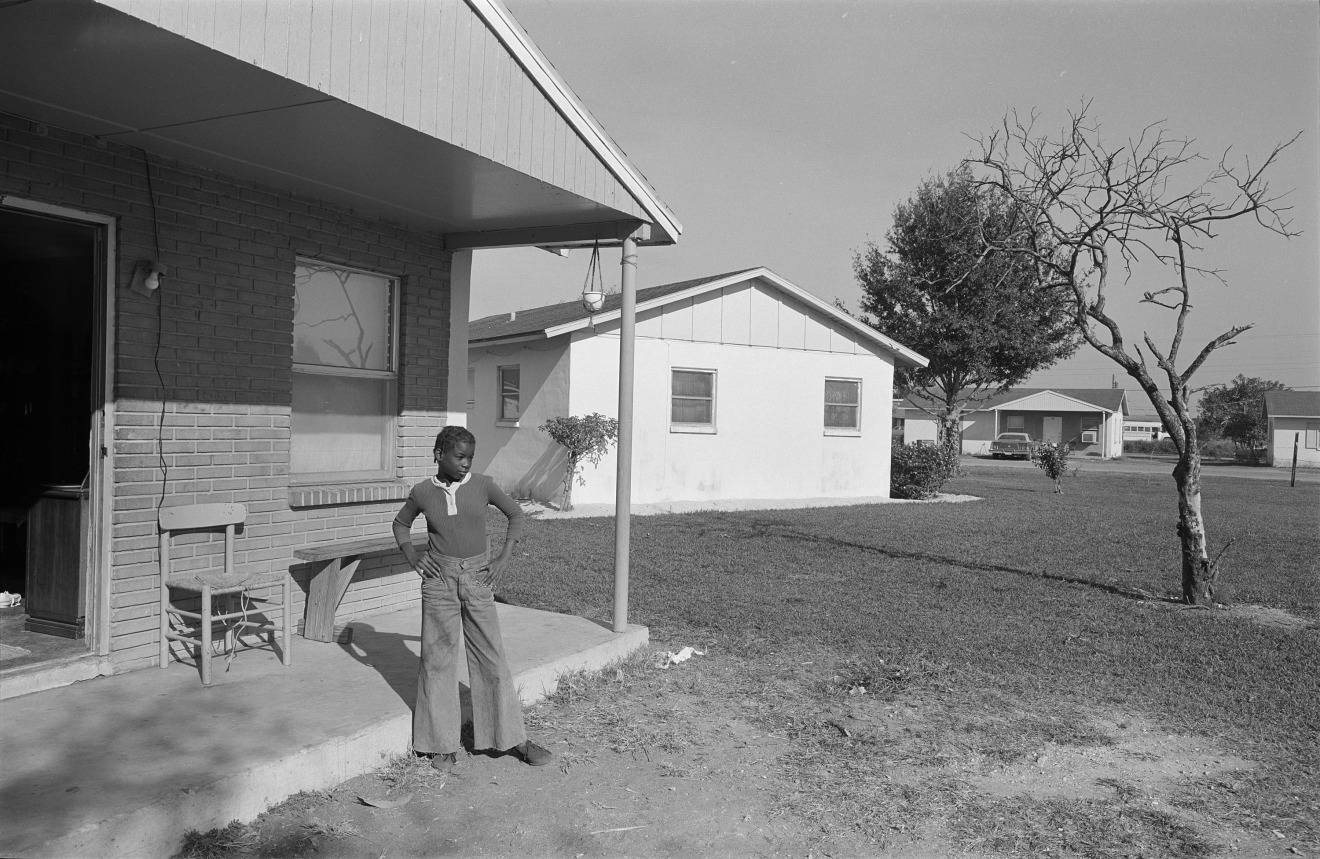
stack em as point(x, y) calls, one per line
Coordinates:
point(770, 440)
point(522, 459)
point(1280, 443)
point(1113, 435)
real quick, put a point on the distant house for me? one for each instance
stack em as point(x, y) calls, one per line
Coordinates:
point(746, 386)
point(1292, 416)
point(1090, 420)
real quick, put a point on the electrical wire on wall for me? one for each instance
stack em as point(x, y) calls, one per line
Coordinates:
point(160, 333)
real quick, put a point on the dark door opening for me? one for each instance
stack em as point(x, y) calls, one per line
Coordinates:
point(48, 282)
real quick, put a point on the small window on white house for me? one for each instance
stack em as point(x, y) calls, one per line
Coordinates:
point(1313, 436)
point(843, 404)
point(692, 401)
point(1016, 423)
point(344, 374)
point(472, 388)
point(1090, 429)
point(510, 382)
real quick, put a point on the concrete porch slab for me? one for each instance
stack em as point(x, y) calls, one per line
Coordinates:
point(126, 765)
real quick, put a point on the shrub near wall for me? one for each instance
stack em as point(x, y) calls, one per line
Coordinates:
point(917, 471)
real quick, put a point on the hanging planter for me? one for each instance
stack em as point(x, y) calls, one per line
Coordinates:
point(593, 290)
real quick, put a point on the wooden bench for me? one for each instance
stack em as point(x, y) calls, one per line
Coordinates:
point(339, 561)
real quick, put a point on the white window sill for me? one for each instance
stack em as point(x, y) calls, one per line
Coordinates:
point(334, 494)
point(843, 431)
point(692, 428)
point(510, 424)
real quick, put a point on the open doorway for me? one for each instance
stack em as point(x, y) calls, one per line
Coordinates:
point(49, 281)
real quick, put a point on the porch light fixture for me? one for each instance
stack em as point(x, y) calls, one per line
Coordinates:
point(146, 276)
point(593, 291)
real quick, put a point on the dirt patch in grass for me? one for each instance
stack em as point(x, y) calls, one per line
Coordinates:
point(790, 753)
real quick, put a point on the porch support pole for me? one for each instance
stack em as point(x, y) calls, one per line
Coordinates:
point(623, 478)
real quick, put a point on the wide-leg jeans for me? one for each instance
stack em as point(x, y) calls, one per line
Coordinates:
point(458, 612)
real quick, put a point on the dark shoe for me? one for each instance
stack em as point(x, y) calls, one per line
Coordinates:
point(444, 764)
point(532, 754)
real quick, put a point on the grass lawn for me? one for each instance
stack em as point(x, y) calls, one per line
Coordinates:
point(1011, 624)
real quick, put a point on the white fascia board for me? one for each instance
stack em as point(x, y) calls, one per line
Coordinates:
point(1095, 407)
point(898, 349)
point(504, 341)
point(506, 28)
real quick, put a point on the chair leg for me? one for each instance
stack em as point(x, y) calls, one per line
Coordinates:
point(286, 617)
point(231, 632)
point(164, 622)
point(204, 646)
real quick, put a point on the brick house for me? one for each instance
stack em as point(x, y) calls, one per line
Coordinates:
point(313, 180)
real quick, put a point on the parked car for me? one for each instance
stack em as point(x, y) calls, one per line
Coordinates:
point(1017, 444)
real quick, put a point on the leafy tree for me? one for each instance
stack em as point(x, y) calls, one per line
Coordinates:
point(1095, 210)
point(942, 286)
point(1232, 411)
point(587, 439)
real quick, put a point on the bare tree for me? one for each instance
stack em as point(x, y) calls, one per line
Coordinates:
point(1096, 210)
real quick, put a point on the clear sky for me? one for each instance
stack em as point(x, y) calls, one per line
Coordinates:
point(783, 133)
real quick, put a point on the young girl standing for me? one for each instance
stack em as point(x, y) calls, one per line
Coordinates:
point(458, 608)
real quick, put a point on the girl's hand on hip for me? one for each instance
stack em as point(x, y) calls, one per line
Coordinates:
point(427, 568)
point(494, 572)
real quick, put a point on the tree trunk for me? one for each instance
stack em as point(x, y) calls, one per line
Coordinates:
point(950, 440)
point(1198, 574)
point(570, 471)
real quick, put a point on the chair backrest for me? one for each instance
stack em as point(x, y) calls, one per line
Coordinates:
point(198, 516)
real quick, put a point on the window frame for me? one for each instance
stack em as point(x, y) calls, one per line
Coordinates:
point(1021, 423)
point(1311, 436)
point(1093, 432)
point(699, 428)
point(389, 377)
point(501, 419)
point(856, 428)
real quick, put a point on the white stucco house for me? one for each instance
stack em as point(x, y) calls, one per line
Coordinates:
point(1090, 420)
point(1292, 416)
point(746, 386)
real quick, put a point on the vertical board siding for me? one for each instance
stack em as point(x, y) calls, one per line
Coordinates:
point(276, 49)
point(792, 325)
point(432, 65)
point(707, 317)
point(676, 323)
point(764, 317)
point(413, 60)
point(300, 31)
point(736, 324)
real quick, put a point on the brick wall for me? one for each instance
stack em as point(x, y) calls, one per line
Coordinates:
point(221, 331)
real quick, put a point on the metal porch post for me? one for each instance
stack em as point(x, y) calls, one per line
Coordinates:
point(623, 479)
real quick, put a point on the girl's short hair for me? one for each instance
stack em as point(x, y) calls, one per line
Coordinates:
point(452, 436)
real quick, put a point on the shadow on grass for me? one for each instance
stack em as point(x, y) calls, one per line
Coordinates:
point(768, 529)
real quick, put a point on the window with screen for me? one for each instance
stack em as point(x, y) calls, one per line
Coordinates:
point(344, 374)
point(843, 404)
point(692, 399)
point(510, 380)
point(1016, 423)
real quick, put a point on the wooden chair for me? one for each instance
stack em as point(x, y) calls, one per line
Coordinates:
point(213, 581)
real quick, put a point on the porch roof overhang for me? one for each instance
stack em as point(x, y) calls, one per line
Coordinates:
point(92, 68)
